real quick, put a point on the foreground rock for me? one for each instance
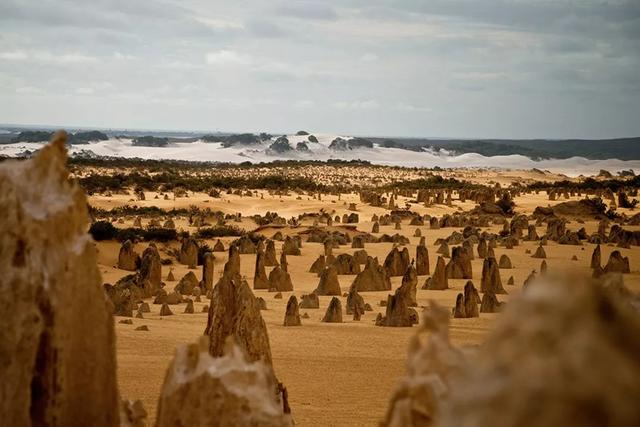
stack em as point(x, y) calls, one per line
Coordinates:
point(57, 343)
point(530, 356)
point(234, 312)
point(200, 390)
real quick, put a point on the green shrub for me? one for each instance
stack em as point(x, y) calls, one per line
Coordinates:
point(103, 230)
point(219, 231)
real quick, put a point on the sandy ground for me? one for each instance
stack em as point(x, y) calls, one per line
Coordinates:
point(337, 374)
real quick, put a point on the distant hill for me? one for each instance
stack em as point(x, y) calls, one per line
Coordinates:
point(44, 136)
point(150, 141)
point(621, 148)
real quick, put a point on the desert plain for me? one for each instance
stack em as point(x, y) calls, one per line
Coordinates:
point(335, 373)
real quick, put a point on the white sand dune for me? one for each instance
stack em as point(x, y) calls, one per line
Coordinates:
point(214, 152)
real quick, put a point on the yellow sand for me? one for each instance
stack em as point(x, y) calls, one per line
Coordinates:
point(336, 374)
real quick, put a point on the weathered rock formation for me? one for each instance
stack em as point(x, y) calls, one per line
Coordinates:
point(439, 280)
point(459, 266)
point(318, 265)
point(540, 253)
point(309, 301)
point(189, 252)
point(279, 280)
point(270, 259)
point(260, 279)
point(372, 278)
point(491, 281)
point(422, 260)
point(150, 274)
point(187, 284)
point(329, 284)
point(57, 342)
point(397, 261)
point(207, 272)
point(232, 389)
point(290, 247)
point(292, 313)
point(617, 263)
point(334, 312)
point(346, 264)
point(234, 312)
point(505, 262)
point(128, 259)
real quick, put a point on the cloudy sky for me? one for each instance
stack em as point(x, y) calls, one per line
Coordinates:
point(459, 68)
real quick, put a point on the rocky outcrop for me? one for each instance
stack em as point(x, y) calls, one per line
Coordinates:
point(292, 313)
point(207, 272)
point(189, 252)
point(432, 366)
point(439, 280)
point(150, 274)
point(309, 301)
point(234, 312)
point(270, 259)
point(471, 300)
point(128, 259)
point(397, 261)
point(409, 286)
point(459, 266)
point(398, 311)
point(505, 262)
point(318, 265)
point(346, 264)
point(260, 279)
point(187, 284)
point(334, 312)
point(232, 389)
point(491, 281)
point(617, 263)
point(596, 258)
point(489, 303)
point(57, 342)
point(219, 246)
point(355, 302)
point(329, 284)
point(458, 309)
point(538, 365)
point(422, 260)
point(279, 280)
point(540, 253)
point(372, 278)
point(290, 247)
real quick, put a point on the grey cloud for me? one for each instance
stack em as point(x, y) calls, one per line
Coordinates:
point(308, 10)
point(444, 68)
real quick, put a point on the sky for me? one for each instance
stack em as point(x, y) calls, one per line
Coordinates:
point(429, 68)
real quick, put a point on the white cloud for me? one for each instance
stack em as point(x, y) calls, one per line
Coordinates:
point(227, 57)
point(85, 91)
point(29, 90)
point(13, 56)
point(122, 56)
point(305, 103)
point(220, 24)
point(401, 106)
point(65, 58)
point(369, 57)
point(369, 104)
